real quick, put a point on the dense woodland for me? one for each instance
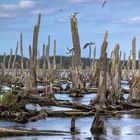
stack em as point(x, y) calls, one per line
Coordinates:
point(66, 61)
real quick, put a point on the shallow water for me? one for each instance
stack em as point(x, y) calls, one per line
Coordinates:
point(118, 127)
point(121, 127)
point(83, 100)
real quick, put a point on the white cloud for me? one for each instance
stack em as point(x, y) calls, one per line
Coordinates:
point(8, 6)
point(8, 10)
point(48, 11)
point(4, 15)
point(26, 4)
point(85, 1)
point(133, 20)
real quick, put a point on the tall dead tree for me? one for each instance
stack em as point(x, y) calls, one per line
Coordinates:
point(139, 64)
point(33, 60)
point(76, 42)
point(94, 57)
point(30, 52)
point(123, 64)
point(134, 95)
point(54, 55)
point(14, 61)
point(44, 62)
point(10, 60)
point(128, 66)
point(4, 64)
point(21, 51)
point(49, 66)
point(77, 84)
point(133, 58)
point(48, 53)
point(61, 62)
point(100, 99)
point(115, 74)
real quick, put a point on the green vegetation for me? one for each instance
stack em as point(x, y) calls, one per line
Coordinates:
point(8, 99)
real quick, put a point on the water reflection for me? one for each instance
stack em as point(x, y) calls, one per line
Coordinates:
point(118, 127)
point(83, 100)
point(125, 127)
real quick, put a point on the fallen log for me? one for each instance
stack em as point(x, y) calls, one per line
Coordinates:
point(44, 101)
point(17, 132)
point(69, 113)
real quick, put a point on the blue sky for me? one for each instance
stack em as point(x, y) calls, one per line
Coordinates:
point(120, 17)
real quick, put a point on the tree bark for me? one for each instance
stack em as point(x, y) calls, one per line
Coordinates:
point(10, 60)
point(76, 42)
point(100, 98)
point(33, 60)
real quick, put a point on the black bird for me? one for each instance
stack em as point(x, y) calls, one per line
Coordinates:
point(69, 50)
point(88, 44)
point(104, 2)
point(74, 13)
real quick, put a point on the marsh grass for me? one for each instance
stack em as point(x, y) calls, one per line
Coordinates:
point(8, 99)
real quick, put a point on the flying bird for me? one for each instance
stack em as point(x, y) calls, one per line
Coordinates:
point(104, 2)
point(88, 44)
point(69, 50)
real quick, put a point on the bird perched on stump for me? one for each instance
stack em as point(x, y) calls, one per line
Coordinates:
point(73, 15)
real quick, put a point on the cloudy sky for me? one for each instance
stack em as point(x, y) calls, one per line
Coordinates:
point(120, 17)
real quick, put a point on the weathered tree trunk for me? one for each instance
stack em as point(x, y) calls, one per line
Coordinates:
point(77, 84)
point(115, 74)
point(139, 64)
point(33, 60)
point(97, 125)
point(49, 93)
point(120, 70)
point(93, 60)
point(73, 128)
point(30, 52)
point(76, 42)
point(48, 53)
point(27, 64)
point(38, 61)
point(14, 61)
point(54, 56)
point(50, 69)
point(95, 74)
point(44, 63)
point(4, 64)
point(134, 95)
point(54, 74)
point(100, 99)
point(123, 64)
point(21, 51)
point(133, 58)
point(128, 67)
point(10, 60)
point(61, 62)
point(75, 71)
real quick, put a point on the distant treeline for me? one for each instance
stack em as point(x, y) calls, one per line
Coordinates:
point(66, 61)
